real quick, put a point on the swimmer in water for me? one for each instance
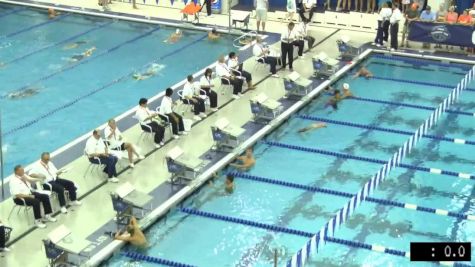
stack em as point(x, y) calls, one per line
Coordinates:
point(174, 37)
point(23, 93)
point(346, 91)
point(154, 68)
point(313, 126)
point(213, 35)
point(229, 184)
point(52, 13)
point(74, 45)
point(85, 54)
point(247, 161)
point(133, 235)
point(363, 72)
point(333, 101)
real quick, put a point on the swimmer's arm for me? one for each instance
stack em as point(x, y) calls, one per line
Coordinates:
point(133, 221)
point(122, 237)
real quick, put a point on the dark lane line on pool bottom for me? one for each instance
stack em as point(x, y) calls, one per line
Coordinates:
point(433, 85)
point(92, 92)
point(53, 45)
point(29, 28)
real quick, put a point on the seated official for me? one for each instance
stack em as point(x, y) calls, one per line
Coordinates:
point(133, 234)
point(228, 78)
point(191, 97)
point(98, 153)
point(302, 35)
point(116, 142)
point(236, 68)
point(44, 168)
point(206, 85)
point(262, 52)
point(3, 241)
point(23, 192)
point(148, 123)
point(175, 119)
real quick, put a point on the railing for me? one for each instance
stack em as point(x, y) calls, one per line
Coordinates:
point(248, 34)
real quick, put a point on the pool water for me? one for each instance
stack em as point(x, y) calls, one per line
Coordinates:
point(202, 241)
point(69, 98)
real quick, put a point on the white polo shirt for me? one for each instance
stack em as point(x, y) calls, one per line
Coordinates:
point(233, 63)
point(94, 146)
point(204, 81)
point(47, 170)
point(188, 90)
point(261, 4)
point(257, 50)
point(302, 30)
point(142, 114)
point(222, 70)
point(166, 105)
point(114, 140)
point(396, 16)
point(18, 186)
point(385, 13)
point(309, 3)
point(287, 35)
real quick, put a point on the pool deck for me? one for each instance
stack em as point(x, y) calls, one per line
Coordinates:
point(150, 175)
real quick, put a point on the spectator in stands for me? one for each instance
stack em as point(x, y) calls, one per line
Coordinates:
point(465, 18)
point(262, 52)
point(383, 22)
point(148, 123)
point(441, 13)
point(411, 15)
point(358, 3)
point(227, 77)
point(213, 35)
point(192, 97)
point(302, 35)
point(116, 142)
point(206, 85)
point(287, 39)
point(394, 21)
point(3, 241)
point(371, 6)
point(98, 153)
point(133, 234)
point(24, 194)
point(472, 11)
point(45, 169)
point(427, 15)
point(451, 16)
point(307, 6)
point(236, 68)
point(342, 4)
point(261, 13)
point(176, 120)
point(291, 9)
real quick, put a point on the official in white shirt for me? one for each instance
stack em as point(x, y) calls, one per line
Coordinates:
point(45, 169)
point(98, 153)
point(227, 77)
point(302, 35)
point(206, 85)
point(192, 97)
point(23, 193)
point(116, 142)
point(262, 52)
point(383, 25)
point(236, 68)
point(394, 21)
point(287, 38)
point(175, 119)
point(307, 6)
point(147, 121)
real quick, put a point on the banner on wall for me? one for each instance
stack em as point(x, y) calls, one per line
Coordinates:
point(216, 5)
point(428, 32)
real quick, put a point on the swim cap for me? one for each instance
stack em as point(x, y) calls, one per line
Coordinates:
point(177, 31)
point(346, 86)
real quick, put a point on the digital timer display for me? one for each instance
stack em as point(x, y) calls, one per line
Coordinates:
point(448, 251)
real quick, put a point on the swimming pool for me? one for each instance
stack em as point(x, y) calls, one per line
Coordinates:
point(47, 99)
point(301, 180)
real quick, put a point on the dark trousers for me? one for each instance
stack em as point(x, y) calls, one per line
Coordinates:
point(2, 237)
point(213, 97)
point(208, 7)
point(177, 126)
point(158, 130)
point(301, 44)
point(379, 33)
point(35, 203)
point(287, 50)
point(236, 83)
point(394, 31)
point(58, 186)
point(386, 30)
point(302, 13)
point(109, 161)
point(198, 104)
point(272, 61)
point(244, 73)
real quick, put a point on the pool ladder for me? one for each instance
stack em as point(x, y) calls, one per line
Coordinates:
point(236, 42)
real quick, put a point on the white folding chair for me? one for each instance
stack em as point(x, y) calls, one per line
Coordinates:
point(21, 207)
point(93, 166)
